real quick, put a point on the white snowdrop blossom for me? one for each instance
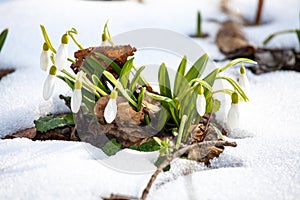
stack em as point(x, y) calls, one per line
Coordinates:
point(49, 83)
point(45, 60)
point(110, 111)
point(243, 79)
point(76, 96)
point(61, 56)
point(233, 117)
point(201, 102)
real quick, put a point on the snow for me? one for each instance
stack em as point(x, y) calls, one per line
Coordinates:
point(265, 165)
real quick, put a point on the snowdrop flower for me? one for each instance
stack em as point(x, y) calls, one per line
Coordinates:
point(77, 95)
point(201, 102)
point(243, 80)
point(106, 38)
point(45, 60)
point(110, 111)
point(49, 83)
point(61, 57)
point(233, 117)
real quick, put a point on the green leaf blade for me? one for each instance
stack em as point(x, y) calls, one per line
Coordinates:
point(125, 72)
point(3, 36)
point(110, 62)
point(180, 82)
point(164, 81)
point(198, 68)
point(136, 78)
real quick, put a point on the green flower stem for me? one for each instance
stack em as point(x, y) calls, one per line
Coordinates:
point(68, 74)
point(202, 82)
point(119, 86)
point(226, 91)
point(237, 61)
point(75, 40)
point(52, 58)
point(101, 92)
point(235, 86)
point(181, 127)
point(198, 81)
point(94, 87)
point(91, 89)
point(46, 38)
point(106, 34)
point(71, 60)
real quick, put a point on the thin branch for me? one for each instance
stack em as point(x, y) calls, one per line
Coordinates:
point(179, 153)
point(259, 12)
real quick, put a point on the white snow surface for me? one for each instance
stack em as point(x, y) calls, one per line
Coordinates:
point(264, 165)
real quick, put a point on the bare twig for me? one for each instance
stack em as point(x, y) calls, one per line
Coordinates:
point(259, 12)
point(179, 153)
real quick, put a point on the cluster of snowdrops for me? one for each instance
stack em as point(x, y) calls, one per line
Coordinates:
point(188, 86)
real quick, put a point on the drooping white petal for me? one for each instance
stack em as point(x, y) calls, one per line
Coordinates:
point(45, 60)
point(244, 82)
point(48, 86)
point(233, 117)
point(110, 111)
point(201, 104)
point(76, 100)
point(61, 56)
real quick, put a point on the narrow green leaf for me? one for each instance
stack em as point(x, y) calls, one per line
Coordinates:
point(96, 65)
point(131, 95)
point(173, 113)
point(211, 77)
point(136, 78)
point(298, 35)
point(69, 82)
point(162, 99)
point(197, 69)
point(3, 36)
point(180, 131)
point(163, 117)
point(99, 84)
point(188, 124)
point(180, 82)
point(110, 62)
point(164, 81)
point(142, 81)
point(118, 85)
point(270, 37)
point(132, 99)
point(125, 72)
point(219, 133)
point(87, 68)
point(46, 38)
